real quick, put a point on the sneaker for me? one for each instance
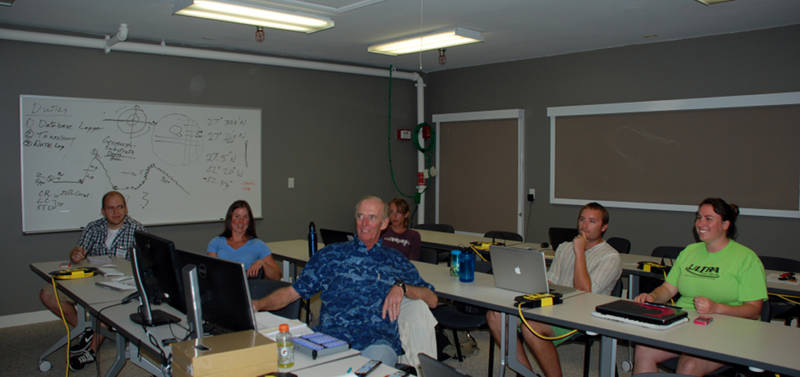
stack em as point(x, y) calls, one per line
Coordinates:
point(81, 343)
point(77, 362)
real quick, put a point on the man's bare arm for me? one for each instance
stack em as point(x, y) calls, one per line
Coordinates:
point(424, 294)
point(277, 299)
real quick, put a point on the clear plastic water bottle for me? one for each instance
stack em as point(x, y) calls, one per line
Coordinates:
point(455, 263)
point(285, 347)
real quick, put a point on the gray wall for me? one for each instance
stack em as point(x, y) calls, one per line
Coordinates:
point(328, 130)
point(735, 64)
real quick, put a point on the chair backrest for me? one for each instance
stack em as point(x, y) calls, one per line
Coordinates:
point(330, 236)
point(622, 245)
point(482, 265)
point(435, 368)
point(560, 235)
point(260, 288)
point(617, 290)
point(446, 228)
point(502, 235)
point(780, 263)
point(667, 251)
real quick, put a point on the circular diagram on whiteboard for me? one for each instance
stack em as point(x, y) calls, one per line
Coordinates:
point(132, 121)
point(177, 140)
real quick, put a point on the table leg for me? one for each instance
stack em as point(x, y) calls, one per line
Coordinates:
point(633, 286)
point(119, 360)
point(503, 336)
point(145, 363)
point(287, 274)
point(608, 356)
point(513, 363)
point(45, 365)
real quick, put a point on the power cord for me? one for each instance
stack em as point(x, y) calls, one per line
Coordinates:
point(785, 297)
point(522, 318)
point(63, 319)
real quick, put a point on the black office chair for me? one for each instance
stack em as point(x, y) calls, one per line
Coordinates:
point(464, 317)
point(560, 235)
point(670, 252)
point(648, 284)
point(778, 307)
point(502, 235)
point(621, 245)
point(444, 228)
point(330, 236)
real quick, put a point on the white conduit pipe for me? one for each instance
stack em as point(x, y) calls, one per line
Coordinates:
point(188, 52)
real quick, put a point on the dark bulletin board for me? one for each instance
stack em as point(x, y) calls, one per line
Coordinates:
point(673, 159)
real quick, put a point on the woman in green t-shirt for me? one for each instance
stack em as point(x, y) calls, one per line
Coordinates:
point(715, 276)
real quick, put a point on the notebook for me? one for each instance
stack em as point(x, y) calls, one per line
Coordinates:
point(523, 270)
point(660, 315)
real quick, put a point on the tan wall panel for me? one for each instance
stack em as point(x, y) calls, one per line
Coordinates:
point(748, 156)
point(478, 185)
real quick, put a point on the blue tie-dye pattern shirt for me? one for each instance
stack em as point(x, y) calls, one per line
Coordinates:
point(354, 282)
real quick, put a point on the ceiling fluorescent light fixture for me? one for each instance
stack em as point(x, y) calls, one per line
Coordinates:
point(252, 13)
point(710, 2)
point(433, 41)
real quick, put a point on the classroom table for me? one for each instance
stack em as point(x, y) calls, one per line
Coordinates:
point(340, 367)
point(91, 293)
point(728, 339)
point(445, 242)
point(138, 340)
point(145, 347)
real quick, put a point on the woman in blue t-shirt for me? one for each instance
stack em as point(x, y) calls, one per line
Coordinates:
point(239, 243)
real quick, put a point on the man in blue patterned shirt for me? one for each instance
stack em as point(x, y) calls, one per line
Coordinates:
point(111, 235)
point(362, 284)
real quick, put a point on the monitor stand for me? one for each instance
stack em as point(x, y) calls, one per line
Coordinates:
point(159, 318)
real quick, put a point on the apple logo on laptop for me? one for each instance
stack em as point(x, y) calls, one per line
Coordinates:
point(517, 270)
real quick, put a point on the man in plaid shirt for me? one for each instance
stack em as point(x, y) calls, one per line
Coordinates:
point(112, 235)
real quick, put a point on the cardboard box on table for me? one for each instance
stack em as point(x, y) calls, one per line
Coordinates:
point(242, 353)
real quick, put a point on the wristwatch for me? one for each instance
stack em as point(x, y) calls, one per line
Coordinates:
point(400, 284)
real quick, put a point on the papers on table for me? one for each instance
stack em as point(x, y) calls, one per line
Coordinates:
point(110, 270)
point(99, 259)
point(267, 324)
point(120, 286)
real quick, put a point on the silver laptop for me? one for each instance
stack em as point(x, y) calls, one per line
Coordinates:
point(523, 271)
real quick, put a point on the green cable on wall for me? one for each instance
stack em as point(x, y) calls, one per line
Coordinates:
point(427, 151)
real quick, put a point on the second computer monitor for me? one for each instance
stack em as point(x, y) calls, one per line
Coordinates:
point(224, 294)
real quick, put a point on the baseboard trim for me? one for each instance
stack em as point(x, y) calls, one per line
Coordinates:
point(22, 319)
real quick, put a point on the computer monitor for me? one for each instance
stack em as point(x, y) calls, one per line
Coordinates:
point(154, 272)
point(224, 294)
point(330, 236)
point(159, 271)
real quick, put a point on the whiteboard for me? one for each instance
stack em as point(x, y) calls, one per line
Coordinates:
point(175, 163)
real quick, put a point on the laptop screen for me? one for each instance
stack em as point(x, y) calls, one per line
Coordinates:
point(520, 270)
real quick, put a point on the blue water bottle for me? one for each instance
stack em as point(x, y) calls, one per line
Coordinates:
point(312, 239)
point(455, 262)
point(466, 272)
